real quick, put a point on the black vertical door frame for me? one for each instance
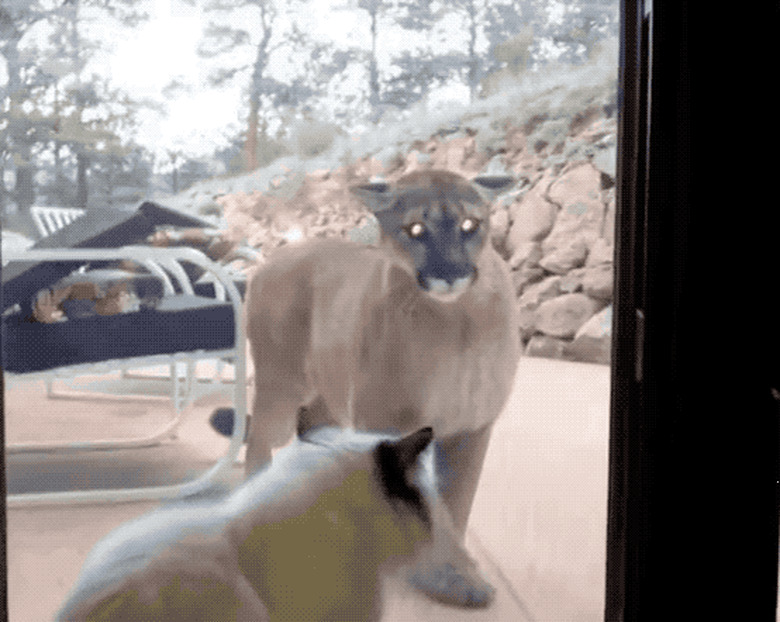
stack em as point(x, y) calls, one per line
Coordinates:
point(692, 515)
point(625, 494)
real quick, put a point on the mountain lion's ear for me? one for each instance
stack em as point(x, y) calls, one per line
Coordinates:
point(490, 186)
point(376, 195)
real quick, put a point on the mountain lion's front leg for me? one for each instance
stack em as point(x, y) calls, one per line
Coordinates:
point(272, 423)
point(450, 575)
point(459, 461)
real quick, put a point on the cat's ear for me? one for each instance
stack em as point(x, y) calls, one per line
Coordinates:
point(397, 459)
point(408, 448)
point(396, 462)
point(376, 195)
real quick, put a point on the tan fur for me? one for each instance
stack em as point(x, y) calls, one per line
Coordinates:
point(348, 330)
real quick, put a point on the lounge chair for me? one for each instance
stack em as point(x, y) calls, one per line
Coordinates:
point(171, 326)
point(50, 219)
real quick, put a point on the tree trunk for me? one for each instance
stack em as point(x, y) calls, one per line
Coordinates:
point(3, 189)
point(63, 191)
point(82, 183)
point(25, 188)
point(250, 145)
point(473, 62)
point(373, 70)
point(110, 181)
point(256, 88)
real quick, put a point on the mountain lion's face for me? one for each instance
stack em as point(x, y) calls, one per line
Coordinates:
point(440, 222)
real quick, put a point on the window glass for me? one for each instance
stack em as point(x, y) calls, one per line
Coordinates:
point(254, 118)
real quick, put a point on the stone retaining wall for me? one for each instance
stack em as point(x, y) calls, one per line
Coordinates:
point(555, 229)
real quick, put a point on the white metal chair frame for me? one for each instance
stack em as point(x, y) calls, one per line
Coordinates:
point(191, 378)
point(181, 389)
point(154, 259)
point(48, 220)
point(51, 219)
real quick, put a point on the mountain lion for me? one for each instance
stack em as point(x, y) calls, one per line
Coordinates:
point(419, 330)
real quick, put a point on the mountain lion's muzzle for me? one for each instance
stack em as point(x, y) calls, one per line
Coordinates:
point(449, 284)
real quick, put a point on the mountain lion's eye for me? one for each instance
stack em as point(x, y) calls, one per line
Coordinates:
point(469, 225)
point(415, 230)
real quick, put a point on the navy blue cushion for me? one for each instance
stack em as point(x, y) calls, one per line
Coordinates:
point(206, 288)
point(176, 324)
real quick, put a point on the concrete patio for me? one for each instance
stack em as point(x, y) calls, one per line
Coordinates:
point(538, 527)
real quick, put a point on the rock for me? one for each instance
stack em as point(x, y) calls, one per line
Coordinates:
point(532, 296)
point(581, 214)
point(525, 265)
point(526, 254)
point(367, 233)
point(546, 347)
point(499, 228)
point(601, 251)
point(587, 124)
point(599, 130)
point(459, 154)
point(598, 326)
point(390, 157)
point(565, 257)
point(536, 294)
point(366, 168)
point(571, 282)
point(549, 135)
point(533, 217)
point(526, 165)
point(593, 341)
point(515, 139)
point(526, 321)
point(608, 230)
point(525, 276)
point(605, 160)
point(564, 315)
point(598, 281)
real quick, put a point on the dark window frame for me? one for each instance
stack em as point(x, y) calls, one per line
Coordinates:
point(693, 475)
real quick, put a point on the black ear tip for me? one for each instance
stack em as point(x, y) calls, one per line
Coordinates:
point(378, 187)
point(494, 182)
point(419, 440)
point(426, 433)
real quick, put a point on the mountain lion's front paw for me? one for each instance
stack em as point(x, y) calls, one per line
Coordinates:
point(449, 585)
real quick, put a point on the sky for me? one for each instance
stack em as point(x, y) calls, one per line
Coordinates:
point(159, 51)
point(164, 48)
point(197, 119)
point(200, 117)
